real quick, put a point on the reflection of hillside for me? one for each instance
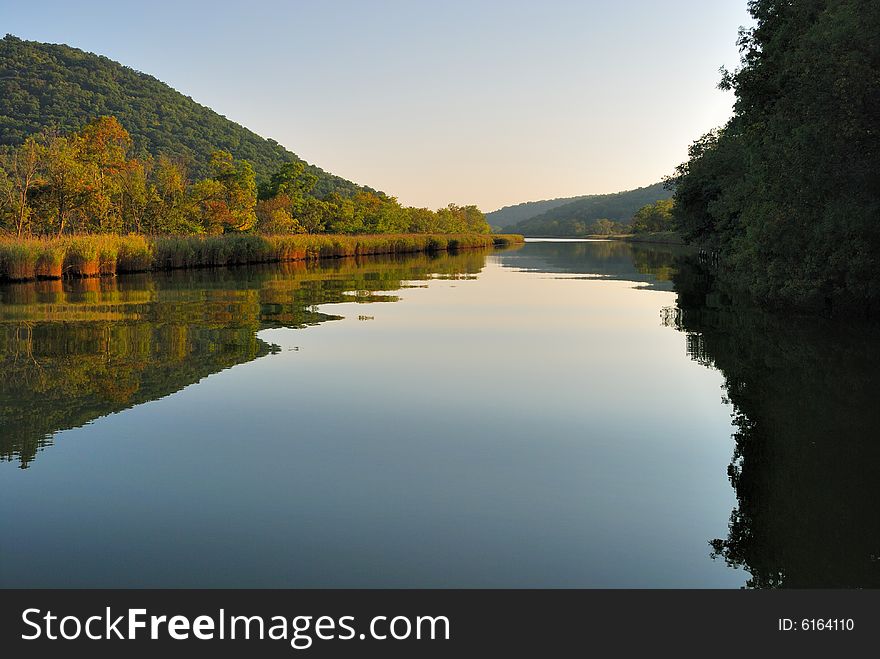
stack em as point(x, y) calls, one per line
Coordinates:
point(650, 265)
point(74, 351)
point(806, 467)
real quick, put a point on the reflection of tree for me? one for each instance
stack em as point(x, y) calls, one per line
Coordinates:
point(74, 351)
point(806, 466)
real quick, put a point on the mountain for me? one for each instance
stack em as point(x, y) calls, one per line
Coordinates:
point(575, 217)
point(55, 86)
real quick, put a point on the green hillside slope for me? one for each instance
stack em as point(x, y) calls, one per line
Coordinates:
point(56, 86)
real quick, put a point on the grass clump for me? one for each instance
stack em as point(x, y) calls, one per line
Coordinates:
point(108, 253)
point(82, 257)
point(507, 239)
point(50, 260)
point(135, 254)
point(18, 259)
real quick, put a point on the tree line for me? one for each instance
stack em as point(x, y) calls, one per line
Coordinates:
point(88, 182)
point(650, 218)
point(787, 193)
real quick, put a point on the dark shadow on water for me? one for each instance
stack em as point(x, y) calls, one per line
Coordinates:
point(806, 467)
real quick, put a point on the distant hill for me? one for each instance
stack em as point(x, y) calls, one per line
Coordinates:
point(52, 85)
point(574, 217)
point(510, 215)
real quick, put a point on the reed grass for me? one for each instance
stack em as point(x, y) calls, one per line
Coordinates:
point(508, 239)
point(18, 260)
point(93, 255)
point(135, 254)
point(50, 260)
point(82, 256)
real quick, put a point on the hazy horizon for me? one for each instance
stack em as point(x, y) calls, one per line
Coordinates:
point(483, 102)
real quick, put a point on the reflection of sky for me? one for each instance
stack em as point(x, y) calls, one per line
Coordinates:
point(510, 430)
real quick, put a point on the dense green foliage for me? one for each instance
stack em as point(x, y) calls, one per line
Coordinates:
point(788, 192)
point(654, 217)
point(579, 217)
point(53, 86)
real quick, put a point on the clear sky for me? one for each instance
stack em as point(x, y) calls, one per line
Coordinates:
point(477, 101)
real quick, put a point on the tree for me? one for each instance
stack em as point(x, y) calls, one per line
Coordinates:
point(102, 149)
point(21, 170)
point(654, 217)
point(604, 227)
point(65, 189)
point(135, 189)
point(167, 198)
point(274, 216)
point(421, 220)
point(291, 179)
point(227, 201)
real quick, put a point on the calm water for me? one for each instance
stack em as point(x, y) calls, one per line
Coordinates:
point(568, 414)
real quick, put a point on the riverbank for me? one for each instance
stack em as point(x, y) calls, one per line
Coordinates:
point(654, 237)
point(23, 259)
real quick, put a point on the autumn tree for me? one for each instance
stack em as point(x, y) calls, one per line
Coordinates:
point(226, 201)
point(65, 190)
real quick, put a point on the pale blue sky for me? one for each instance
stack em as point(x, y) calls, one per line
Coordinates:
point(475, 102)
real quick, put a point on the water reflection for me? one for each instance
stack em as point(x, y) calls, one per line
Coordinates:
point(74, 351)
point(650, 265)
point(806, 468)
point(535, 427)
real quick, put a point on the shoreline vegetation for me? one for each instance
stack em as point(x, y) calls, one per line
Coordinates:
point(651, 237)
point(85, 204)
point(91, 255)
point(785, 196)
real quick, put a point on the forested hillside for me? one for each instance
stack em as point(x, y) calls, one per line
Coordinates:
point(577, 218)
point(510, 215)
point(55, 86)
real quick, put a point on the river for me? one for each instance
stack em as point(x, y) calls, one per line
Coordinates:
point(567, 414)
